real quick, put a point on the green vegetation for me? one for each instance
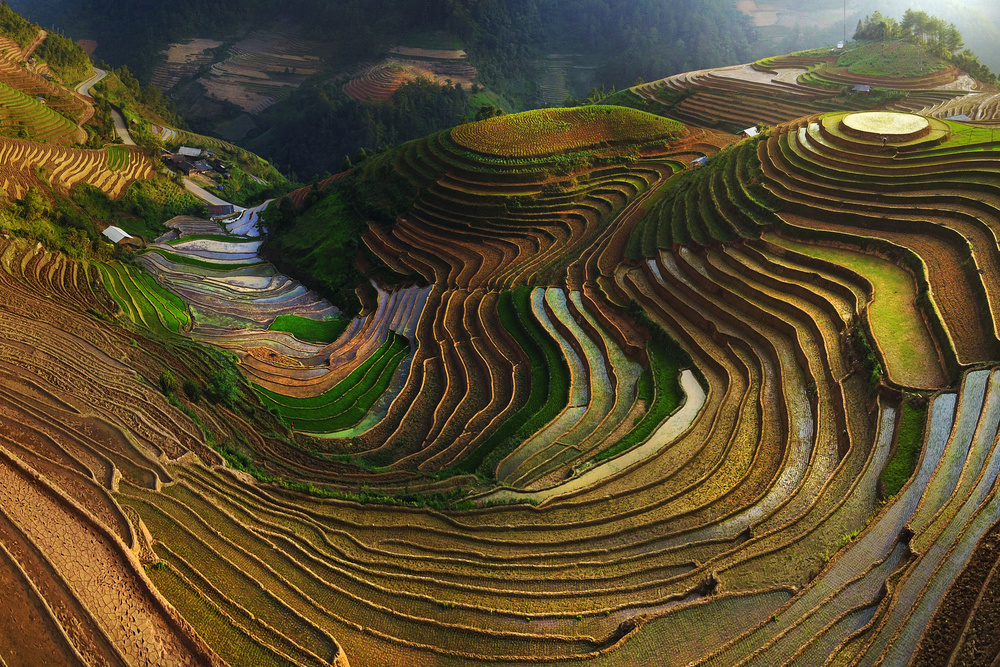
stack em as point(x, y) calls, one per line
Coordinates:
point(348, 402)
point(660, 388)
point(909, 442)
point(24, 117)
point(65, 58)
point(224, 386)
point(168, 383)
point(306, 329)
point(549, 386)
point(723, 200)
point(249, 179)
point(898, 325)
point(142, 300)
point(929, 33)
point(899, 59)
point(659, 384)
point(15, 26)
point(117, 157)
point(192, 389)
point(321, 245)
point(555, 131)
point(142, 210)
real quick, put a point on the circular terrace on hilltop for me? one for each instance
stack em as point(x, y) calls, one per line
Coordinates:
point(876, 125)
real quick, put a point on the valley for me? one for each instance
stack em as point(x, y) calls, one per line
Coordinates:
point(705, 372)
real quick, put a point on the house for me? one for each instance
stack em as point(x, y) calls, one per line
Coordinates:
point(189, 152)
point(862, 88)
point(116, 235)
point(700, 162)
point(750, 132)
point(202, 166)
point(960, 117)
point(840, 45)
point(220, 211)
point(183, 166)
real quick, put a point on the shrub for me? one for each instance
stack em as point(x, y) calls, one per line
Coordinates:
point(168, 383)
point(223, 386)
point(192, 389)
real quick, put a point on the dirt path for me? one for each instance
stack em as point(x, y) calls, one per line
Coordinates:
point(39, 38)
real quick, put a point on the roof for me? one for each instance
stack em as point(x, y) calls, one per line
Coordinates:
point(960, 116)
point(189, 152)
point(702, 160)
point(116, 234)
point(862, 88)
point(751, 131)
point(202, 165)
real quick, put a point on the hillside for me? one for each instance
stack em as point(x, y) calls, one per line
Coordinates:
point(612, 384)
point(305, 92)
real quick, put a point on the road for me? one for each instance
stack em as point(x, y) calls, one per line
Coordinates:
point(84, 88)
point(122, 130)
point(203, 194)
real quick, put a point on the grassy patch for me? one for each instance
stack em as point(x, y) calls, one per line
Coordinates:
point(893, 58)
point(144, 207)
point(911, 356)
point(549, 131)
point(142, 300)
point(313, 331)
point(909, 440)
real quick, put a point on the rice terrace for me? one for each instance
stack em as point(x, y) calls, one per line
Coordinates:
point(704, 371)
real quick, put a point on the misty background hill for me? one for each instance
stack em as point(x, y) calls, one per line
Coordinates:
point(784, 26)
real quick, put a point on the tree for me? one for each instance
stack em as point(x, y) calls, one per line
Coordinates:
point(878, 28)
point(489, 111)
point(34, 205)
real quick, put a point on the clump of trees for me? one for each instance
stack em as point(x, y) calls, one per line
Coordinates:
point(935, 35)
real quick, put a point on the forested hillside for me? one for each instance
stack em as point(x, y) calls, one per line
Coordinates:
point(639, 38)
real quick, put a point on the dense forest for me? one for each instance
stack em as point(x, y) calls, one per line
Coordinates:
point(319, 125)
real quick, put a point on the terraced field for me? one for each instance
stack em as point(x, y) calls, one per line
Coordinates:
point(47, 111)
point(777, 90)
point(26, 163)
point(612, 409)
